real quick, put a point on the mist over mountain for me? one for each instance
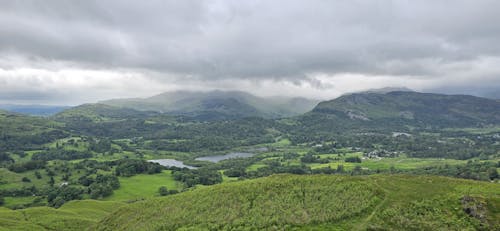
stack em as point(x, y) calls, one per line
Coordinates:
point(218, 104)
point(386, 90)
point(249, 115)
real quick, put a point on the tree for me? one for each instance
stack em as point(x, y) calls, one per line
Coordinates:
point(493, 173)
point(100, 190)
point(340, 168)
point(357, 170)
point(235, 172)
point(163, 191)
point(38, 175)
point(52, 181)
point(353, 159)
point(58, 196)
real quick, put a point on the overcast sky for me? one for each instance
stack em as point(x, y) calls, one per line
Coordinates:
point(70, 52)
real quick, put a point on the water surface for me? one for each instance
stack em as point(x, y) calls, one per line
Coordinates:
point(231, 155)
point(171, 163)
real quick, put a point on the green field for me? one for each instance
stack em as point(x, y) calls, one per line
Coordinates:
point(102, 152)
point(15, 201)
point(143, 186)
point(402, 163)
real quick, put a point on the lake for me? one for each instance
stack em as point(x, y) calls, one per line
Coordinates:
point(171, 163)
point(231, 155)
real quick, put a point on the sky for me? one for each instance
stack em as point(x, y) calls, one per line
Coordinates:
point(71, 52)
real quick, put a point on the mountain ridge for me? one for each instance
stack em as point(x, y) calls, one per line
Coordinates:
point(224, 104)
point(34, 109)
point(425, 108)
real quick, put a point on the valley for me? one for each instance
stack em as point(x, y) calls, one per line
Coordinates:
point(252, 115)
point(385, 156)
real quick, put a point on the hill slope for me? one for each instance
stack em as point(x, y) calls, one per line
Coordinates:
point(413, 108)
point(18, 130)
point(74, 215)
point(100, 113)
point(320, 202)
point(218, 104)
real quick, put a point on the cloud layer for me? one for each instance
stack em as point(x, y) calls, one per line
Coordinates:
point(77, 51)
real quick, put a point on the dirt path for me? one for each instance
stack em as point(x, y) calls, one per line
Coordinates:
point(364, 224)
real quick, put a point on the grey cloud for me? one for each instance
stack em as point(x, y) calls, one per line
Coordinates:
point(281, 40)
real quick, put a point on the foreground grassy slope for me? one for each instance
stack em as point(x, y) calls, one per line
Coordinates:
point(320, 203)
point(74, 215)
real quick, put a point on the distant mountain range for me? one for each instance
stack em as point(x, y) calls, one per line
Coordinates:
point(37, 110)
point(217, 104)
point(356, 110)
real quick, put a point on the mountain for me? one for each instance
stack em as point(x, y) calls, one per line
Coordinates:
point(218, 104)
point(320, 202)
point(413, 108)
point(37, 110)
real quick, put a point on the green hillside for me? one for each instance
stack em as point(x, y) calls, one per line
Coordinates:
point(320, 202)
point(101, 151)
point(100, 113)
point(29, 132)
point(74, 215)
point(413, 108)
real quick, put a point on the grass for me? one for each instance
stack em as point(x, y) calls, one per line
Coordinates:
point(279, 202)
point(261, 203)
point(226, 179)
point(317, 202)
point(74, 215)
point(473, 130)
point(254, 167)
point(407, 163)
point(402, 163)
point(14, 180)
point(282, 143)
point(64, 143)
point(15, 201)
point(143, 186)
